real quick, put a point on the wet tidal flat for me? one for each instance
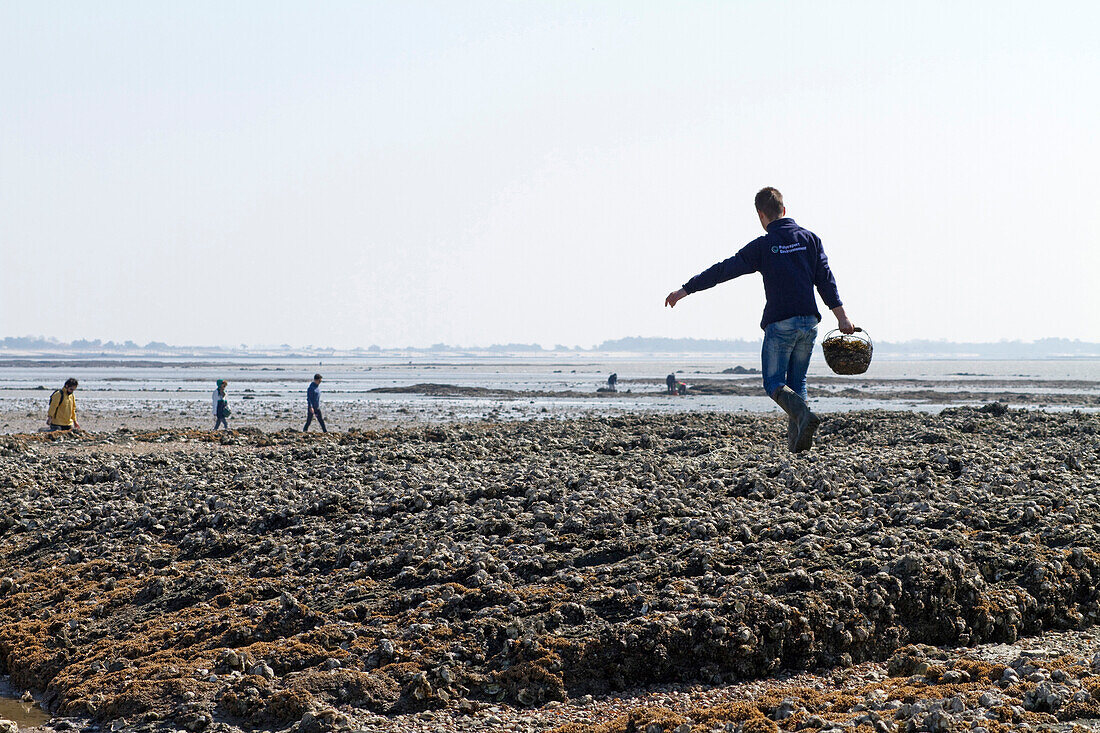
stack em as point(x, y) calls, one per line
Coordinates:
point(523, 572)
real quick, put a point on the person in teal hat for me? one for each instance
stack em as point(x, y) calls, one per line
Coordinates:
point(221, 405)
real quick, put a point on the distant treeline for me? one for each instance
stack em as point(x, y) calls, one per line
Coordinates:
point(1040, 349)
point(676, 345)
point(51, 344)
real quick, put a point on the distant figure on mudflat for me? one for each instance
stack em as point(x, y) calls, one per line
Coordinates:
point(612, 381)
point(62, 411)
point(313, 404)
point(792, 263)
point(221, 405)
point(670, 383)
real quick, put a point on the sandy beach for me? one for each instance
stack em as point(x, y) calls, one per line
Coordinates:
point(608, 573)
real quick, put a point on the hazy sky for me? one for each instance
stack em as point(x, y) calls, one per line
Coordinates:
point(404, 173)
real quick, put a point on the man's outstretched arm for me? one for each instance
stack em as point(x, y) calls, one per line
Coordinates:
point(745, 261)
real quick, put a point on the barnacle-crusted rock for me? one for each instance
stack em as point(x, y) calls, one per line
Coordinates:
point(532, 562)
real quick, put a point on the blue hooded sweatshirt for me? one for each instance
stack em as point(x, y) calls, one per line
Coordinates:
point(792, 263)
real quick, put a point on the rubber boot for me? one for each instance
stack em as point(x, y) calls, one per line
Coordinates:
point(804, 420)
point(792, 421)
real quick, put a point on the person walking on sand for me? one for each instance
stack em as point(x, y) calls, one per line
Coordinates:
point(221, 405)
point(670, 383)
point(792, 263)
point(313, 404)
point(612, 381)
point(61, 414)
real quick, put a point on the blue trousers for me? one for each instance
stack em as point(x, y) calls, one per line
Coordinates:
point(785, 356)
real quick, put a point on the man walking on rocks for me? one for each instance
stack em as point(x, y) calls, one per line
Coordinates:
point(313, 404)
point(792, 263)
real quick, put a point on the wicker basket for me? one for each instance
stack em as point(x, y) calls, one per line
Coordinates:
point(847, 353)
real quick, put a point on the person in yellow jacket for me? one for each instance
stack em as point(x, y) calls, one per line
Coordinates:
point(62, 413)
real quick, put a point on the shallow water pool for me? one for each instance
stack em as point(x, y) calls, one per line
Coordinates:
point(26, 714)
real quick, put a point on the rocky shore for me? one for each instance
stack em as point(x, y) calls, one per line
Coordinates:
point(635, 573)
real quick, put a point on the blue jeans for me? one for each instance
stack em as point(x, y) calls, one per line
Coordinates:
point(785, 356)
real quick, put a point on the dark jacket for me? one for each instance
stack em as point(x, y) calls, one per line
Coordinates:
point(313, 396)
point(792, 263)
